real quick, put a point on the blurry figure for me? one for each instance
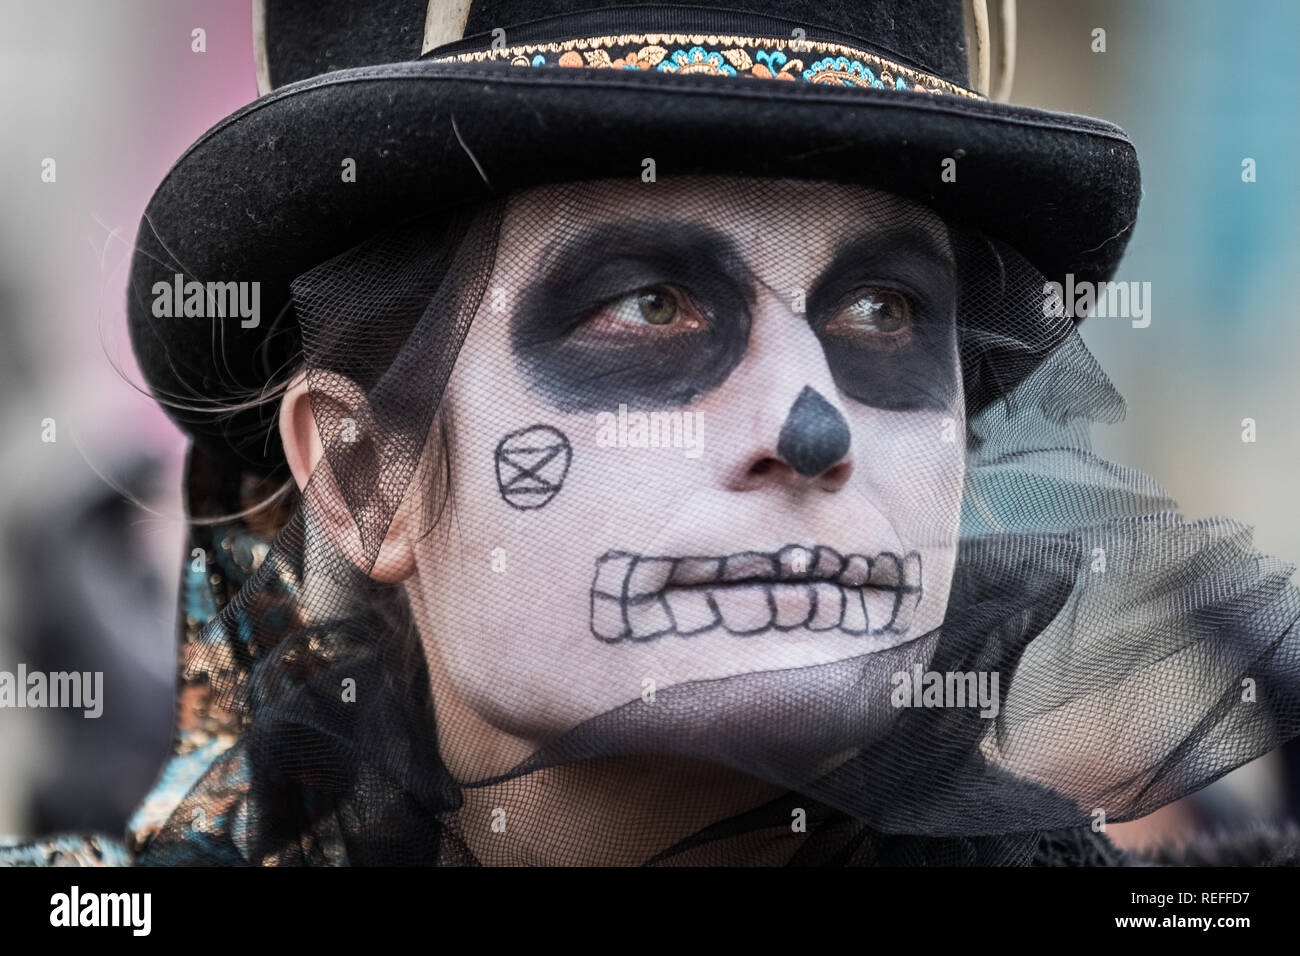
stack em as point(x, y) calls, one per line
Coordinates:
point(88, 597)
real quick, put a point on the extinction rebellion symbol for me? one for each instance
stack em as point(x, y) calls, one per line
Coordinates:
point(531, 465)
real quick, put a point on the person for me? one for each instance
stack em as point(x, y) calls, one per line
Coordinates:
point(642, 467)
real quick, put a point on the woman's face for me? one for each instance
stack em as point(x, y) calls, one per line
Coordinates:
point(697, 429)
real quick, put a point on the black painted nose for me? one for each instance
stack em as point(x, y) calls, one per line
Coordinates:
point(815, 435)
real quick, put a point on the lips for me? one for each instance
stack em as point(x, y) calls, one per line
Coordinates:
point(640, 598)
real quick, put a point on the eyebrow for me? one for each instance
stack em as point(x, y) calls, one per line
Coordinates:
point(909, 254)
point(873, 241)
point(605, 260)
point(675, 241)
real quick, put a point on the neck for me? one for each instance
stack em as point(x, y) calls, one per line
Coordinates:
point(615, 811)
point(601, 811)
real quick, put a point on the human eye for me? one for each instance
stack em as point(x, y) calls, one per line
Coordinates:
point(651, 314)
point(888, 335)
point(661, 310)
point(873, 317)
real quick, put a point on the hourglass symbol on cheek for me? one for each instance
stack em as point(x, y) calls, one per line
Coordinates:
point(531, 466)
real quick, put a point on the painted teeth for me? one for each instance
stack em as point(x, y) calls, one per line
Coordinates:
point(690, 571)
point(858, 569)
point(879, 604)
point(648, 619)
point(886, 571)
point(793, 605)
point(611, 572)
point(855, 613)
point(741, 613)
point(912, 567)
point(827, 564)
point(749, 566)
point(607, 621)
point(794, 562)
point(905, 611)
point(641, 598)
point(691, 610)
point(830, 606)
point(648, 576)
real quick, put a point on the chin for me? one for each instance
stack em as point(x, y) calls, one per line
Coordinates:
point(789, 724)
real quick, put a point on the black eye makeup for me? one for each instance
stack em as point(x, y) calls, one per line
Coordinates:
point(649, 314)
point(884, 310)
point(654, 314)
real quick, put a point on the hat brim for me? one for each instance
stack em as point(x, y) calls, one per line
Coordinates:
point(261, 196)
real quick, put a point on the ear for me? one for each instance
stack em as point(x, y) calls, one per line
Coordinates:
point(335, 397)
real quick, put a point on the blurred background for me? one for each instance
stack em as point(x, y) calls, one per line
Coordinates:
point(91, 523)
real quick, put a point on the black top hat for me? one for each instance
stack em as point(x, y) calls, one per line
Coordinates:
point(453, 101)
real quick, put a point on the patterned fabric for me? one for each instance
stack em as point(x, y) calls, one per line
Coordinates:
point(199, 794)
point(807, 61)
point(64, 850)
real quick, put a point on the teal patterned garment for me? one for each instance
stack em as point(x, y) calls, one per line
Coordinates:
point(64, 850)
point(200, 789)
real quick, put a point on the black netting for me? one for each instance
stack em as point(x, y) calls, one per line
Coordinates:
point(648, 513)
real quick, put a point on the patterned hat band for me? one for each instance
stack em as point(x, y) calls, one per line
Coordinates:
point(777, 58)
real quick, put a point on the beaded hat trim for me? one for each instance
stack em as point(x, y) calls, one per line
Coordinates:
point(808, 61)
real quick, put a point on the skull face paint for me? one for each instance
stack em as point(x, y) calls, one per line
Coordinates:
point(813, 326)
point(641, 598)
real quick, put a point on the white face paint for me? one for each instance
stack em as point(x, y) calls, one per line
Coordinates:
point(808, 329)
